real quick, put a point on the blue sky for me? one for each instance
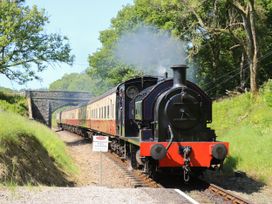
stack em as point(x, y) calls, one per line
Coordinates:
point(81, 21)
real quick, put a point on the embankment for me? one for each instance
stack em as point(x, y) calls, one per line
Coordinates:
point(30, 153)
point(246, 122)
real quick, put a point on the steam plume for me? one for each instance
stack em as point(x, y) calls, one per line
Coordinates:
point(150, 50)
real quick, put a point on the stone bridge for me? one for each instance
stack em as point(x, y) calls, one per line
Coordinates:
point(41, 104)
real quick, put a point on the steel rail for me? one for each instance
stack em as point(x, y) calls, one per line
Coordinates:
point(136, 177)
point(226, 195)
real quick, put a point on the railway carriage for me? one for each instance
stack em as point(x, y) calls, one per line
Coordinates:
point(101, 113)
point(156, 124)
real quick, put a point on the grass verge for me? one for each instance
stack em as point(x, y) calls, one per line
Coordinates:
point(30, 153)
point(246, 122)
point(13, 102)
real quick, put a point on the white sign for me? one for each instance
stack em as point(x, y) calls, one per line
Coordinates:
point(100, 143)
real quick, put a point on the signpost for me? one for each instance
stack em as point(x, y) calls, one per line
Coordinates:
point(100, 144)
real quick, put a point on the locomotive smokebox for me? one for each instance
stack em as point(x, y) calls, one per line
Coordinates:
point(179, 75)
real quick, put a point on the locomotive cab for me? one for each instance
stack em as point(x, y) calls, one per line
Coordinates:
point(126, 93)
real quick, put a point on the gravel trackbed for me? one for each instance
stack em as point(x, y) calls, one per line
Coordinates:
point(88, 194)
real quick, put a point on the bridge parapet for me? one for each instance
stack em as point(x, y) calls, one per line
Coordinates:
point(43, 103)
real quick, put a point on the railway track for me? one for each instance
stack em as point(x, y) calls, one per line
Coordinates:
point(136, 177)
point(226, 195)
point(214, 193)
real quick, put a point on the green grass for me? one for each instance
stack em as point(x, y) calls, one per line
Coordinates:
point(15, 127)
point(246, 122)
point(30, 153)
point(13, 102)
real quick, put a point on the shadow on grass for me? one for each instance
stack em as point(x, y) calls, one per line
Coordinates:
point(27, 162)
point(78, 142)
point(233, 180)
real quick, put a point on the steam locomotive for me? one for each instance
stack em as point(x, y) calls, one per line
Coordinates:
point(155, 124)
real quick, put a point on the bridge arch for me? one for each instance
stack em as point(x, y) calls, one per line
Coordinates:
point(41, 104)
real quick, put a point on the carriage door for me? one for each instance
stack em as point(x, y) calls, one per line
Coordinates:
point(121, 111)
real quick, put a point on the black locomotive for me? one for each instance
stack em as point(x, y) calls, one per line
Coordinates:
point(155, 123)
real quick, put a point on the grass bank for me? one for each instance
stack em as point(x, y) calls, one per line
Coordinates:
point(30, 153)
point(13, 101)
point(246, 122)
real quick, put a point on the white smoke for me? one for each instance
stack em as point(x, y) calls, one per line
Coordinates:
point(150, 50)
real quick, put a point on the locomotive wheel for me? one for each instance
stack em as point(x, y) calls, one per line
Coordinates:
point(133, 160)
point(151, 168)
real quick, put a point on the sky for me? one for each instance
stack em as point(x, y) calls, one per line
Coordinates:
point(79, 20)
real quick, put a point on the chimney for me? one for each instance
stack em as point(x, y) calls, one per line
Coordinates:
point(165, 75)
point(179, 75)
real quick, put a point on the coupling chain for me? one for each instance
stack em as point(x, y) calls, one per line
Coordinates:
point(186, 166)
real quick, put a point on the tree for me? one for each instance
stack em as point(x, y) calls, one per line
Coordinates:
point(247, 11)
point(244, 17)
point(103, 65)
point(24, 42)
point(76, 82)
point(223, 45)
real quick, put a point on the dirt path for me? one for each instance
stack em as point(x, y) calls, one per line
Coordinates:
point(89, 163)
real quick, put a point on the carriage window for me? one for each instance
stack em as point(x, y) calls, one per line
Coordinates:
point(110, 115)
point(112, 111)
point(107, 112)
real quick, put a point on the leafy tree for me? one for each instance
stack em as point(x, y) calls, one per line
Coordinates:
point(103, 64)
point(247, 11)
point(236, 19)
point(228, 41)
point(224, 36)
point(77, 82)
point(24, 42)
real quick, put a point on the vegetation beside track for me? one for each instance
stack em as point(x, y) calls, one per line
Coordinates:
point(30, 153)
point(12, 101)
point(246, 122)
